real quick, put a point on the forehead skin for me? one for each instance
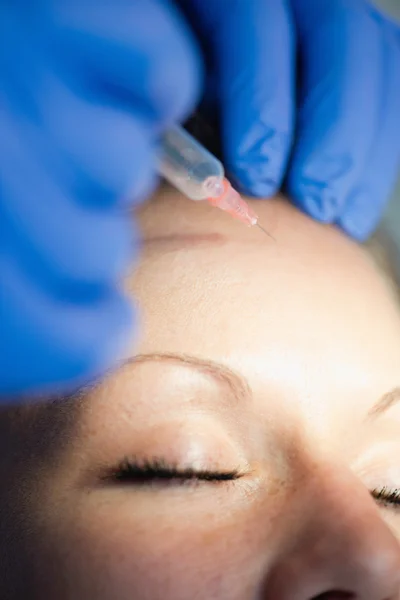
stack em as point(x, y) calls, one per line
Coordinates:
point(306, 315)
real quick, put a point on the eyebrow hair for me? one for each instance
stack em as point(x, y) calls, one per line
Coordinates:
point(238, 385)
point(387, 401)
point(236, 382)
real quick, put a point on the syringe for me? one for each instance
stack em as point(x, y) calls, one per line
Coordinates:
point(194, 171)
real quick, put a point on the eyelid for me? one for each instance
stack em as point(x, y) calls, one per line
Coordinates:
point(196, 439)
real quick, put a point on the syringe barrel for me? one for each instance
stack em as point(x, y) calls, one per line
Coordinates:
point(188, 166)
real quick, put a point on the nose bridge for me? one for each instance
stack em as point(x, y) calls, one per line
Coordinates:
point(342, 545)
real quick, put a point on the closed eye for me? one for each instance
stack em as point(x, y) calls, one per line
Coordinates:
point(158, 472)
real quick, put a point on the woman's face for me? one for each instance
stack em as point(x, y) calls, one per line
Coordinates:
point(237, 457)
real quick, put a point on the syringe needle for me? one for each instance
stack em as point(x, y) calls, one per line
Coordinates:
point(265, 231)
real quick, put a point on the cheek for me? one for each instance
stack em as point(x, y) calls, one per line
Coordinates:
point(107, 560)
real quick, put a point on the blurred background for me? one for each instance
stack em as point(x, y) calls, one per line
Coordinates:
point(392, 220)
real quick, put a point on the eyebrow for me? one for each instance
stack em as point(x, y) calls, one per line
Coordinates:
point(387, 401)
point(237, 384)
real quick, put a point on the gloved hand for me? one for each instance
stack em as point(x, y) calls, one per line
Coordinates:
point(84, 94)
point(327, 119)
point(84, 91)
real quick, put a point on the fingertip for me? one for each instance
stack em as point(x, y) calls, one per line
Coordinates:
point(249, 181)
point(318, 202)
point(258, 164)
point(363, 212)
point(353, 230)
point(318, 181)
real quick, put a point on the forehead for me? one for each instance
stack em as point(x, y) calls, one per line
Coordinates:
point(306, 313)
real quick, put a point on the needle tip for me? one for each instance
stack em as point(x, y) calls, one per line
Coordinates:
point(265, 231)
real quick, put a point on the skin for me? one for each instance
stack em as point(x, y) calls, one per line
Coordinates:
point(307, 336)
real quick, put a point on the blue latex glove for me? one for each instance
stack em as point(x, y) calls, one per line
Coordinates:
point(85, 88)
point(334, 105)
point(86, 91)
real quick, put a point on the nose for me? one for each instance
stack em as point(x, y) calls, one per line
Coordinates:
point(343, 549)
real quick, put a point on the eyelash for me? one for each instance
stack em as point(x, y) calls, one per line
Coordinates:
point(157, 472)
point(387, 497)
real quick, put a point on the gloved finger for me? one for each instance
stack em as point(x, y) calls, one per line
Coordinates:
point(366, 201)
point(88, 82)
point(77, 151)
point(138, 58)
point(53, 235)
point(65, 344)
point(110, 151)
point(340, 47)
point(251, 57)
point(129, 54)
